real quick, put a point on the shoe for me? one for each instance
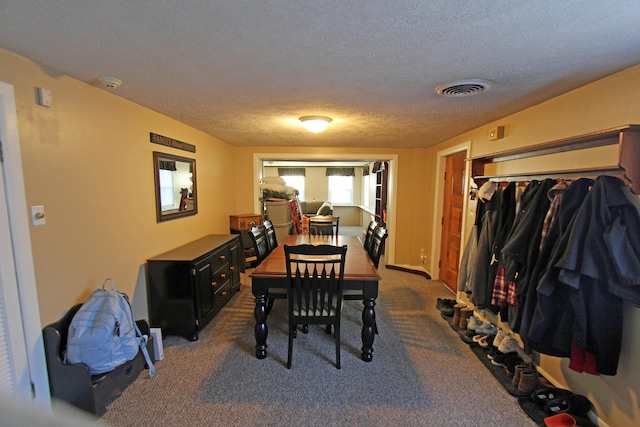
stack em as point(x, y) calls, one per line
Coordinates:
point(574, 404)
point(488, 329)
point(544, 395)
point(510, 344)
point(500, 335)
point(498, 358)
point(478, 337)
point(467, 337)
point(560, 420)
point(474, 323)
point(445, 306)
point(456, 312)
point(529, 381)
point(465, 314)
point(511, 360)
point(516, 373)
point(486, 341)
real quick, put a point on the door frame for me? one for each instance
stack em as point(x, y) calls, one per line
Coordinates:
point(23, 312)
point(436, 236)
point(392, 184)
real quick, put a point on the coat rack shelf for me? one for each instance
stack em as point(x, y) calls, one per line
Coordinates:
point(628, 167)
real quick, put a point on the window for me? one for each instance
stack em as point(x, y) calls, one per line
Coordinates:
point(365, 190)
point(167, 198)
point(296, 182)
point(341, 189)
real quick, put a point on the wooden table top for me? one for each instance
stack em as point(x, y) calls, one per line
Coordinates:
point(358, 265)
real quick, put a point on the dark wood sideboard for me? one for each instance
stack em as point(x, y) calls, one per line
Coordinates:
point(188, 285)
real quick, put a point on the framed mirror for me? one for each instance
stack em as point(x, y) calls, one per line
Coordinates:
point(175, 182)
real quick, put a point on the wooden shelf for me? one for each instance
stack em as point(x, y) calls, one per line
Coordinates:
point(628, 167)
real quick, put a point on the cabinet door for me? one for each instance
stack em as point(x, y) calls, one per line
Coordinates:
point(203, 279)
point(236, 263)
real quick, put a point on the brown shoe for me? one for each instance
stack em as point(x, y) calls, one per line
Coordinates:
point(456, 312)
point(516, 373)
point(529, 381)
point(465, 314)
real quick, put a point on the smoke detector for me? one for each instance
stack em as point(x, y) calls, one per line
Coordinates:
point(110, 82)
point(463, 88)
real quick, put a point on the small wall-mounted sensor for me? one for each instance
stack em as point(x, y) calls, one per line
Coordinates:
point(495, 133)
point(44, 97)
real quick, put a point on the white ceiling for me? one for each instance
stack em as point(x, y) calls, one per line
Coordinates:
point(244, 71)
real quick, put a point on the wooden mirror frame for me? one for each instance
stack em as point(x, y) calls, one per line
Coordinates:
point(174, 213)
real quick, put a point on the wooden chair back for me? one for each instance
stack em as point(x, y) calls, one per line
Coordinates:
point(377, 245)
point(270, 231)
point(259, 241)
point(315, 275)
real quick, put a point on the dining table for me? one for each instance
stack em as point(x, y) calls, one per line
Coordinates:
point(359, 274)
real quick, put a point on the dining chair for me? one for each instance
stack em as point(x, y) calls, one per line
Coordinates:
point(315, 275)
point(272, 243)
point(259, 241)
point(375, 252)
point(377, 245)
point(270, 231)
point(371, 228)
point(324, 225)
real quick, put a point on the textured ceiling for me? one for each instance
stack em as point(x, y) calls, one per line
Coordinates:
point(244, 71)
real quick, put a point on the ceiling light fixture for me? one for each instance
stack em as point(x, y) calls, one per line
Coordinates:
point(315, 124)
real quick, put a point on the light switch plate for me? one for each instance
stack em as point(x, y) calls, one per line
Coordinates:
point(37, 215)
point(45, 98)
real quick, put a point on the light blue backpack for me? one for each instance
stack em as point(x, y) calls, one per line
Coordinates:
point(103, 334)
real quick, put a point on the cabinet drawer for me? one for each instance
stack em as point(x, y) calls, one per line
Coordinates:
point(222, 295)
point(220, 277)
point(220, 258)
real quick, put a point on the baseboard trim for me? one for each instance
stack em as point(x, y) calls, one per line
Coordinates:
point(409, 270)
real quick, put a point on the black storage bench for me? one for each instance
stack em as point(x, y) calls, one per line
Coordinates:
point(73, 383)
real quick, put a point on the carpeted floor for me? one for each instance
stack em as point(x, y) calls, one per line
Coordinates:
point(422, 374)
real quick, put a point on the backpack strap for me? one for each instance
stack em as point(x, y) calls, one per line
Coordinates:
point(143, 340)
point(113, 285)
point(143, 346)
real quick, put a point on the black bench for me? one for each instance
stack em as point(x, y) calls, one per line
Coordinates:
point(73, 383)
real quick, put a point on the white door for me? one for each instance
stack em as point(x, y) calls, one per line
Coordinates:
point(22, 365)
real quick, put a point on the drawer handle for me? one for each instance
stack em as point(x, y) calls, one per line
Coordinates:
point(223, 257)
point(232, 268)
point(224, 293)
point(214, 284)
point(223, 276)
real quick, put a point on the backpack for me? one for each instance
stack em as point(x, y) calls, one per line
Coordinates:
point(103, 334)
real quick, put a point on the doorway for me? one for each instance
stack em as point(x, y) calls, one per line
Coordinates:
point(390, 160)
point(453, 208)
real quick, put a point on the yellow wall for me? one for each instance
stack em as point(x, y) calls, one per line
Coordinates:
point(607, 103)
point(88, 161)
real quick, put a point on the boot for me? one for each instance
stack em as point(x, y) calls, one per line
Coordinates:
point(465, 314)
point(516, 373)
point(456, 312)
point(529, 381)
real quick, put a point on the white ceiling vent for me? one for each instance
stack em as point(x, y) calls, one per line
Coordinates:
point(463, 88)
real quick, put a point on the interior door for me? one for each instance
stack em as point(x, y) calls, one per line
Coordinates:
point(453, 202)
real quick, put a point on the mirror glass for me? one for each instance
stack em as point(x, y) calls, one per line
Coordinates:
point(175, 181)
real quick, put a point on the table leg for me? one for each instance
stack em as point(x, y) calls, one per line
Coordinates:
point(368, 322)
point(261, 330)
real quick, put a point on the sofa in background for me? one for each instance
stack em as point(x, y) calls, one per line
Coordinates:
point(311, 208)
